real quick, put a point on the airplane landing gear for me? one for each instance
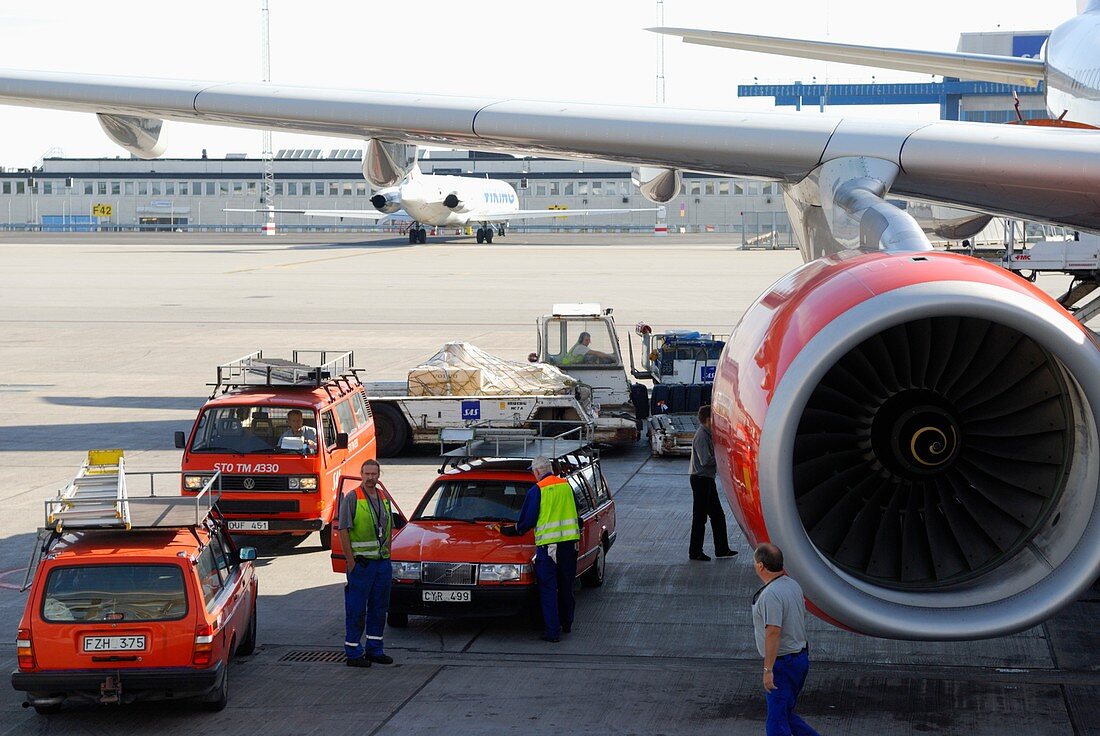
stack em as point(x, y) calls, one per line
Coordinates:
point(485, 234)
point(417, 234)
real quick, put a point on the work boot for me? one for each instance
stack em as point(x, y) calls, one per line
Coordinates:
point(358, 662)
point(380, 658)
point(700, 556)
point(551, 639)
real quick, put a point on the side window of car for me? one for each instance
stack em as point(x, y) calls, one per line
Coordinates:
point(360, 408)
point(210, 577)
point(580, 493)
point(347, 419)
point(222, 558)
point(598, 484)
point(328, 428)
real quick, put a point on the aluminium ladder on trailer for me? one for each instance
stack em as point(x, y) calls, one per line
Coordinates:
point(304, 368)
point(96, 497)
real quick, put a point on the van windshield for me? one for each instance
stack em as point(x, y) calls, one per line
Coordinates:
point(474, 500)
point(250, 430)
point(115, 593)
point(580, 343)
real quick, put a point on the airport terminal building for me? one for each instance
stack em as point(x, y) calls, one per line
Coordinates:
point(63, 194)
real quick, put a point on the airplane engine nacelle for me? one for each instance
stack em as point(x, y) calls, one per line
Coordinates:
point(918, 434)
point(139, 136)
point(387, 200)
point(452, 201)
point(656, 184)
point(385, 164)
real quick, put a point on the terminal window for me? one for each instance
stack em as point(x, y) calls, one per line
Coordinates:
point(116, 187)
point(182, 187)
point(196, 187)
point(211, 189)
point(724, 187)
point(101, 187)
point(47, 187)
point(128, 188)
point(555, 188)
point(170, 188)
point(6, 188)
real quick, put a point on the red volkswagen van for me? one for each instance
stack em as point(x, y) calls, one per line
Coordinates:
point(281, 432)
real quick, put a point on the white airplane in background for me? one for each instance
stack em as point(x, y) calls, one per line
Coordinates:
point(918, 431)
point(442, 201)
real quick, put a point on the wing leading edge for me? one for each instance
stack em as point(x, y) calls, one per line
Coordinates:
point(1048, 175)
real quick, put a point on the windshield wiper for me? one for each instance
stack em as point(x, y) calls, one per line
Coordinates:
point(493, 518)
point(216, 448)
point(444, 518)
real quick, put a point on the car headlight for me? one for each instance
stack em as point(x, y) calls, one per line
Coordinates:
point(502, 573)
point(406, 570)
point(302, 483)
point(195, 482)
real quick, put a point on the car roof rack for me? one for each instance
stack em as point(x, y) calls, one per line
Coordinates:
point(98, 498)
point(308, 368)
point(484, 443)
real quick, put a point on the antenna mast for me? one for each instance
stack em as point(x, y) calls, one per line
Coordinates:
point(268, 186)
point(660, 53)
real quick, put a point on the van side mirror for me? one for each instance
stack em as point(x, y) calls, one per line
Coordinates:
point(342, 441)
point(181, 440)
point(246, 554)
point(399, 521)
point(533, 358)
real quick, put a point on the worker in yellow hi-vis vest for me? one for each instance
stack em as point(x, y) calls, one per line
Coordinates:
point(550, 509)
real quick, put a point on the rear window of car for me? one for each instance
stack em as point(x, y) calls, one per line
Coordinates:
point(113, 593)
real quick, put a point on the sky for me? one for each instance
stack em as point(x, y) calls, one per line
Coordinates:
point(591, 51)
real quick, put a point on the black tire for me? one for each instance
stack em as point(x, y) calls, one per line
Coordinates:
point(480, 236)
point(397, 620)
point(594, 576)
point(488, 235)
point(390, 429)
point(48, 710)
point(639, 397)
point(219, 698)
point(412, 237)
point(248, 643)
point(422, 236)
point(326, 536)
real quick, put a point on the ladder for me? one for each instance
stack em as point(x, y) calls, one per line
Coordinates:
point(96, 497)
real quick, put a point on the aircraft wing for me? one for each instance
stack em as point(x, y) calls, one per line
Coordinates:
point(987, 67)
point(350, 214)
point(537, 214)
point(1049, 175)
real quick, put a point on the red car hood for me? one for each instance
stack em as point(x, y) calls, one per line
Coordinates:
point(446, 541)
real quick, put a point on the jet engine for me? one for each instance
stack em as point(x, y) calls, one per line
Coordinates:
point(139, 136)
point(387, 200)
point(452, 201)
point(656, 184)
point(918, 434)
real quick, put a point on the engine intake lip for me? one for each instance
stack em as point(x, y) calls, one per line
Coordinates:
point(1049, 572)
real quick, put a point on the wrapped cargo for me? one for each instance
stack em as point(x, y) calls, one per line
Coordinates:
point(463, 369)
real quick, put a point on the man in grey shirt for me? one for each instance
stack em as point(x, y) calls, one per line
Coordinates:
point(779, 622)
point(704, 494)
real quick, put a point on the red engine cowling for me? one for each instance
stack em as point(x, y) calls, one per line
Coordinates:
point(918, 434)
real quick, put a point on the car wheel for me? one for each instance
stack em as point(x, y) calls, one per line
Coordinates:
point(217, 700)
point(397, 620)
point(390, 429)
point(326, 536)
point(48, 710)
point(593, 576)
point(248, 644)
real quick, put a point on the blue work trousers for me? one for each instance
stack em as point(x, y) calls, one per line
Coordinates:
point(556, 586)
point(789, 674)
point(366, 601)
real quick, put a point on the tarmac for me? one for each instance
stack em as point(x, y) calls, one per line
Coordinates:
point(110, 340)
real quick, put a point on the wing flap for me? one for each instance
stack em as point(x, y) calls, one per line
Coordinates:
point(1006, 69)
point(350, 214)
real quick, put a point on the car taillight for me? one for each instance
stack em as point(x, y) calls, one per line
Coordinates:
point(24, 650)
point(204, 645)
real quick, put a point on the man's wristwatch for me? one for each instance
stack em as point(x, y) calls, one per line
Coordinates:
point(767, 670)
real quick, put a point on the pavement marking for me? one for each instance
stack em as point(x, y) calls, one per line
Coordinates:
point(292, 264)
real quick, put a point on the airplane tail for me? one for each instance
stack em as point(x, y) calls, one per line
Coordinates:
point(1087, 6)
point(986, 67)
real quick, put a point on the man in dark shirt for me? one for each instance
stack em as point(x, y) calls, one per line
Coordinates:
point(704, 493)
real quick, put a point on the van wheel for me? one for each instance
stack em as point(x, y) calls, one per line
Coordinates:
point(593, 576)
point(397, 620)
point(390, 430)
point(326, 536)
point(248, 644)
point(217, 700)
point(48, 710)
